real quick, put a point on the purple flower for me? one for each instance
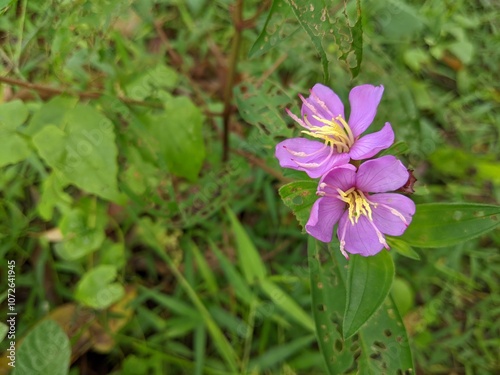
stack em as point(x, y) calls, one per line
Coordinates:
point(339, 141)
point(363, 218)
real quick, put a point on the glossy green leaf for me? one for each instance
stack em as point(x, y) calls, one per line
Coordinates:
point(287, 304)
point(299, 196)
point(276, 29)
point(45, 350)
point(96, 289)
point(446, 224)
point(13, 146)
point(82, 149)
point(368, 283)
point(249, 258)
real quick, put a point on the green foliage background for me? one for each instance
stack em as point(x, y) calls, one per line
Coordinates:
point(154, 256)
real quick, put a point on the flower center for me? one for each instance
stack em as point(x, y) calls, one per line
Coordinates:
point(336, 132)
point(358, 204)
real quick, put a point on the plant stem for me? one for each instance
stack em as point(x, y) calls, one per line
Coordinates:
point(231, 74)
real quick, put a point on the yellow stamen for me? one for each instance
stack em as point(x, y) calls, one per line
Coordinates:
point(358, 204)
point(337, 133)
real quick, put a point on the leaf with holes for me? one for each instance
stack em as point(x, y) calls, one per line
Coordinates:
point(276, 29)
point(380, 346)
point(328, 292)
point(384, 343)
point(446, 224)
point(313, 17)
point(299, 196)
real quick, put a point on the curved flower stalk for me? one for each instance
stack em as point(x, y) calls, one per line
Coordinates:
point(338, 140)
point(357, 200)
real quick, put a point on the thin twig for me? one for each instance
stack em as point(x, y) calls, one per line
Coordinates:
point(52, 91)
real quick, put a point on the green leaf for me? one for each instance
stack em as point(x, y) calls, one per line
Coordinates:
point(384, 344)
point(82, 150)
point(446, 224)
point(204, 268)
point(313, 17)
point(14, 147)
point(276, 29)
point(381, 344)
point(398, 148)
point(83, 230)
point(177, 137)
point(45, 350)
point(96, 288)
point(160, 77)
point(50, 113)
point(403, 295)
point(263, 107)
point(287, 304)
point(402, 248)
point(273, 356)
point(53, 196)
point(242, 290)
point(356, 46)
point(13, 114)
point(368, 283)
point(299, 196)
point(328, 292)
point(249, 258)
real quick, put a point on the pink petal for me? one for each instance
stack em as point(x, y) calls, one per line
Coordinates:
point(393, 213)
point(342, 177)
point(359, 238)
point(327, 104)
point(380, 175)
point(364, 101)
point(325, 213)
point(371, 144)
point(312, 157)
